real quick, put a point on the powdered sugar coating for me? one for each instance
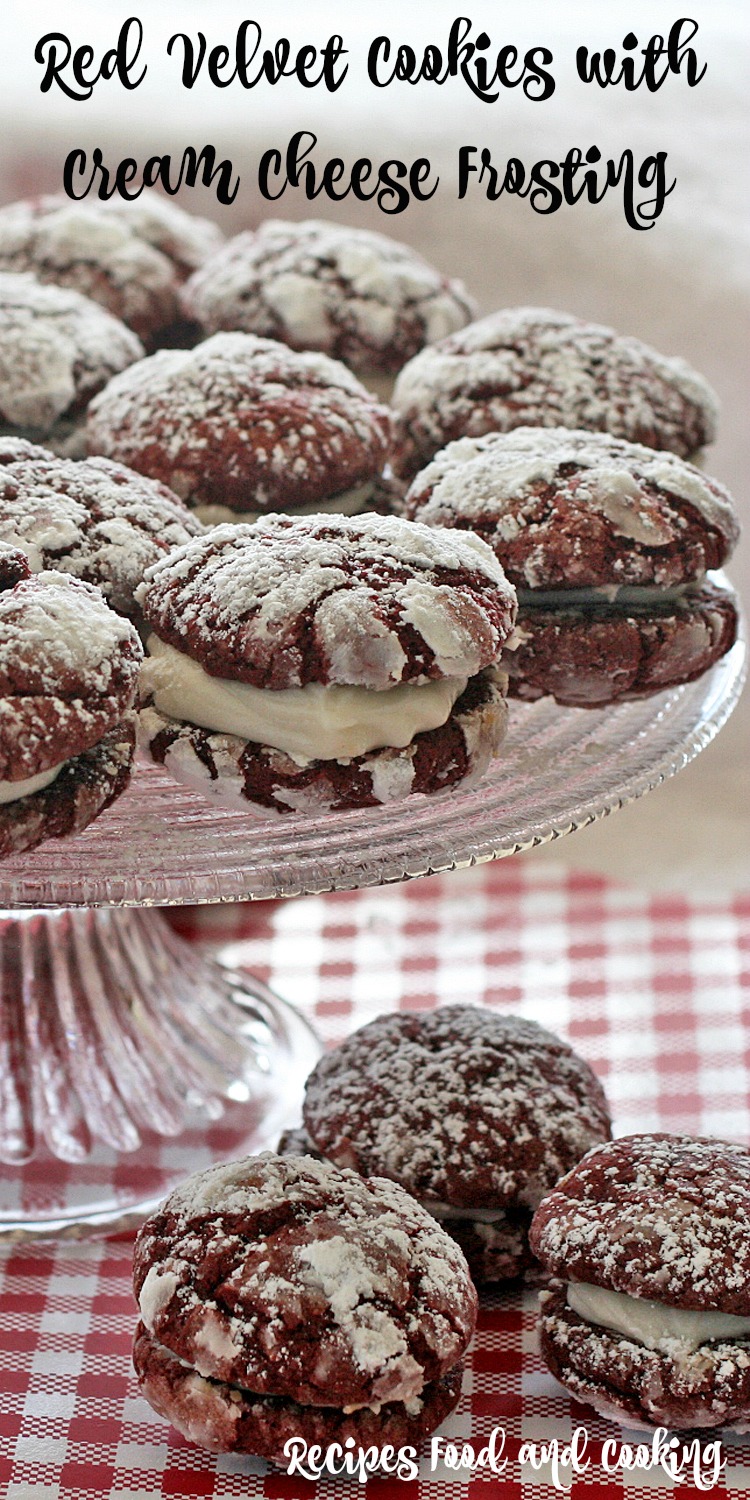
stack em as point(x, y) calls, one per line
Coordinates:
point(243, 422)
point(95, 519)
point(68, 672)
point(462, 1105)
point(257, 778)
point(316, 1285)
point(572, 509)
point(130, 257)
point(359, 296)
point(57, 349)
point(679, 1389)
point(660, 1216)
point(365, 600)
point(524, 367)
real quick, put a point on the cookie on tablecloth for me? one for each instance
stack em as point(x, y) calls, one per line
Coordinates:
point(648, 1319)
point(68, 676)
point(475, 1113)
point(282, 1298)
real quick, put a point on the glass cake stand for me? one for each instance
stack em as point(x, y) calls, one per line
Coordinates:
point(127, 1060)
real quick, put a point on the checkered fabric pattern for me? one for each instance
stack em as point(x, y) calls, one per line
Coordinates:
point(654, 991)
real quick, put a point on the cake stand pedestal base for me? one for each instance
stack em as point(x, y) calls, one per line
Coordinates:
point(127, 1061)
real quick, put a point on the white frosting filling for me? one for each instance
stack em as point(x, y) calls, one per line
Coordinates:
point(308, 723)
point(442, 1211)
point(13, 791)
point(348, 503)
point(606, 593)
point(652, 1323)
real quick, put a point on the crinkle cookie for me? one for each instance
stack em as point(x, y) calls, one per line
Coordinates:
point(245, 424)
point(281, 1297)
point(532, 367)
point(359, 296)
point(94, 519)
point(131, 257)
point(325, 662)
point(68, 677)
point(649, 1319)
point(57, 349)
point(608, 544)
point(476, 1113)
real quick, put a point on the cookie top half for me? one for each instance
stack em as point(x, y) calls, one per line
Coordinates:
point(93, 519)
point(365, 601)
point(57, 349)
point(665, 1217)
point(289, 1277)
point(243, 422)
point(359, 296)
point(524, 367)
point(574, 509)
point(130, 257)
point(461, 1105)
point(68, 672)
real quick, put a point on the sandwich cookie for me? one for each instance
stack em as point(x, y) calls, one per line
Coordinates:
point(68, 677)
point(648, 1319)
point(244, 425)
point(475, 1113)
point(283, 1298)
point(532, 367)
point(609, 545)
point(325, 662)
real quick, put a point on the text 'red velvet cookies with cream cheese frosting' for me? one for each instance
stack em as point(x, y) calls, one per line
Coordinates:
point(302, 664)
point(648, 1318)
point(243, 424)
point(475, 1113)
point(608, 544)
point(283, 1298)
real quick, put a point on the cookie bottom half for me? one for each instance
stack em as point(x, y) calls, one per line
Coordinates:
point(84, 787)
point(228, 1419)
point(684, 1389)
point(259, 778)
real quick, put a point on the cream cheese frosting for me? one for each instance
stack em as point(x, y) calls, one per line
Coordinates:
point(348, 503)
point(314, 722)
point(653, 1323)
point(14, 791)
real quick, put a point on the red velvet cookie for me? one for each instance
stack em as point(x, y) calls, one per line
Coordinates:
point(354, 659)
point(650, 1320)
point(245, 424)
point(130, 257)
point(476, 1113)
point(300, 1301)
point(608, 544)
point(57, 349)
point(359, 296)
point(68, 676)
point(532, 367)
point(95, 520)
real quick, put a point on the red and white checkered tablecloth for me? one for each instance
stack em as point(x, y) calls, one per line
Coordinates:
point(654, 991)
